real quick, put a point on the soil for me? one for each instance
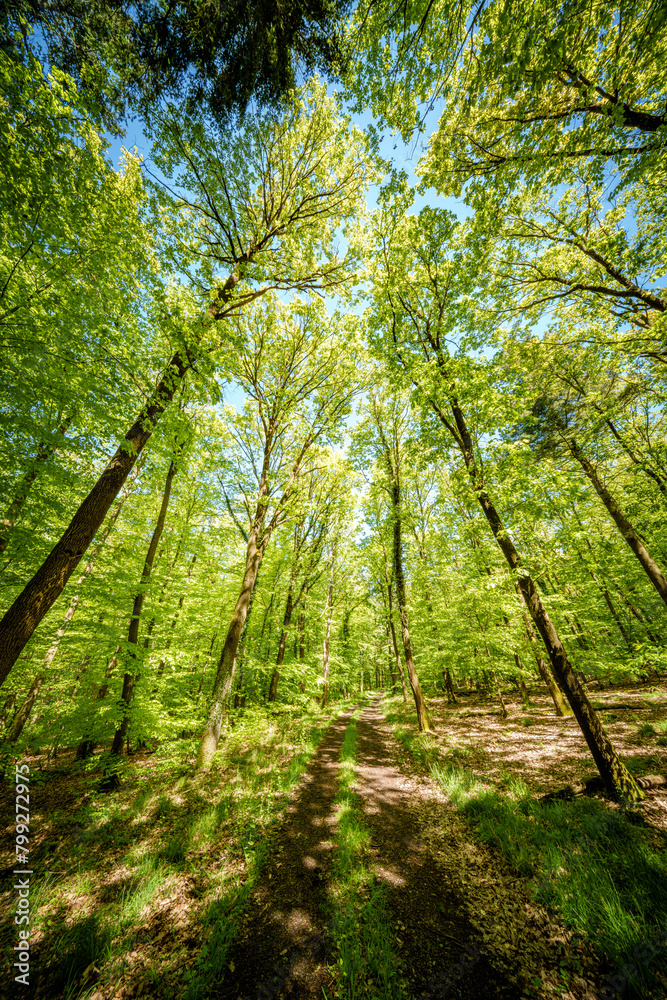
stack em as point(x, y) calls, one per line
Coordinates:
point(462, 922)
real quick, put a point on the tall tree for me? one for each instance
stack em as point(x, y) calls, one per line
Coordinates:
point(418, 304)
point(299, 375)
point(277, 235)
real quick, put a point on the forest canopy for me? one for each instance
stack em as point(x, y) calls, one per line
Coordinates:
point(333, 498)
point(281, 419)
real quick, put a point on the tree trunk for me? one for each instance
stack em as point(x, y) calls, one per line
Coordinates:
point(650, 567)
point(131, 677)
point(287, 619)
point(420, 705)
point(7, 707)
point(327, 634)
point(39, 595)
point(557, 694)
point(615, 776)
point(301, 627)
point(224, 675)
point(24, 711)
point(399, 665)
point(390, 658)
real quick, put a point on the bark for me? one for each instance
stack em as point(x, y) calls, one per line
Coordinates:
point(616, 778)
point(390, 622)
point(420, 705)
point(24, 711)
point(648, 564)
point(7, 707)
point(327, 634)
point(44, 452)
point(131, 676)
point(449, 687)
point(39, 595)
point(226, 665)
point(287, 619)
point(390, 658)
point(399, 664)
point(301, 627)
point(636, 613)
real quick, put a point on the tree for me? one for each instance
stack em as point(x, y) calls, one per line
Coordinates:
point(419, 304)
point(387, 418)
point(299, 375)
point(527, 88)
point(130, 56)
point(267, 209)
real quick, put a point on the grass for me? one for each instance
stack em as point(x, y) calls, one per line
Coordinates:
point(596, 868)
point(367, 966)
point(147, 885)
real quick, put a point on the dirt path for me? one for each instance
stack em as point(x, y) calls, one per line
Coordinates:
point(467, 927)
point(283, 948)
point(463, 925)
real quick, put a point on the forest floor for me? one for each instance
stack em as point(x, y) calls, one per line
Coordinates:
point(456, 880)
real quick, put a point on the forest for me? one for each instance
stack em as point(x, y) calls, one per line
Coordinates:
point(333, 499)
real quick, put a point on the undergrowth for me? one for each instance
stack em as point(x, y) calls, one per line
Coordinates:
point(148, 884)
point(597, 867)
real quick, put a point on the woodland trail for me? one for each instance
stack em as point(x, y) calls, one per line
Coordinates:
point(462, 924)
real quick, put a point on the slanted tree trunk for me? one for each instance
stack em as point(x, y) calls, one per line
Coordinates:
point(648, 564)
point(9, 702)
point(616, 778)
point(131, 677)
point(24, 711)
point(39, 595)
point(557, 694)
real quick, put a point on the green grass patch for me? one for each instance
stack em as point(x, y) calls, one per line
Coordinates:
point(594, 867)
point(167, 837)
point(367, 966)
